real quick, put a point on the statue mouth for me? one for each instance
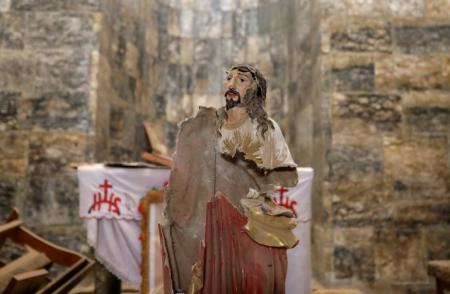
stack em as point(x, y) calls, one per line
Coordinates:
point(232, 94)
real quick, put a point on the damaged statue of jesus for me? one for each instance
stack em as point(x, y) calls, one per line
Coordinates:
point(222, 232)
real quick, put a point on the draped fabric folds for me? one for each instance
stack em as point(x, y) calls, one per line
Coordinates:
point(237, 264)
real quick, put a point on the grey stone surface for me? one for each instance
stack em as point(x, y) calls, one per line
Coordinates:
point(347, 162)
point(12, 27)
point(354, 263)
point(50, 5)
point(59, 29)
point(58, 70)
point(7, 193)
point(420, 39)
point(13, 71)
point(382, 110)
point(362, 39)
point(354, 78)
point(411, 8)
point(9, 108)
point(434, 120)
point(56, 110)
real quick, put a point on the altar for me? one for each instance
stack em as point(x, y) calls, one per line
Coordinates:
point(110, 199)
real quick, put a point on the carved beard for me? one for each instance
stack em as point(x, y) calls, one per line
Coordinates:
point(250, 99)
point(230, 103)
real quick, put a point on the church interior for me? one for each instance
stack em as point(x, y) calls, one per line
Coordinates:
point(359, 88)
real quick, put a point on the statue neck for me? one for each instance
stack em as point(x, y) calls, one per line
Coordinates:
point(236, 116)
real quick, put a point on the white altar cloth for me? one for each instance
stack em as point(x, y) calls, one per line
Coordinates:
point(109, 201)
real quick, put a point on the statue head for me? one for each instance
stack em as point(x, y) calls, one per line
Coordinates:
point(245, 86)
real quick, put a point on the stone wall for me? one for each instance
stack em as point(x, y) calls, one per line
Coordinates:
point(386, 207)
point(75, 86)
point(46, 60)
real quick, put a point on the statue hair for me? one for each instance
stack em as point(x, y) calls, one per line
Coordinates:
point(255, 98)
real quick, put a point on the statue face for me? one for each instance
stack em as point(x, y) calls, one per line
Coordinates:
point(236, 85)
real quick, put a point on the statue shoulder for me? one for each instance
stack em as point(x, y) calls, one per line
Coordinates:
point(276, 131)
point(203, 113)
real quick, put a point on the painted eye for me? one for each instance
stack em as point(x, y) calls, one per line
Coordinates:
point(242, 80)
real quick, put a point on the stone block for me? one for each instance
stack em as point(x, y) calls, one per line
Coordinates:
point(322, 251)
point(353, 78)
point(333, 7)
point(438, 8)
point(252, 26)
point(422, 39)
point(13, 145)
point(400, 255)
point(131, 61)
point(366, 8)
point(411, 8)
point(171, 135)
point(52, 152)
point(56, 110)
point(257, 49)
point(428, 119)
point(50, 5)
point(362, 37)
point(152, 41)
point(14, 167)
point(14, 70)
point(60, 29)
point(203, 51)
point(11, 30)
point(248, 4)
point(356, 263)
point(423, 99)
point(9, 109)
point(438, 243)
point(122, 124)
point(208, 25)
point(173, 25)
point(187, 23)
point(119, 152)
point(53, 183)
point(5, 5)
point(7, 193)
point(422, 212)
point(186, 51)
point(67, 70)
point(227, 24)
point(416, 167)
point(411, 72)
point(56, 193)
point(173, 50)
point(228, 5)
point(264, 18)
point(174, 109)
point(381, 110)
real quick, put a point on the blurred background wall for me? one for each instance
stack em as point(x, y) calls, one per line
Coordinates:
point(359, 87)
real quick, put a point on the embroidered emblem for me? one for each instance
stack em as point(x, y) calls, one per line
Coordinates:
point(109, 199)
point(286, 200)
